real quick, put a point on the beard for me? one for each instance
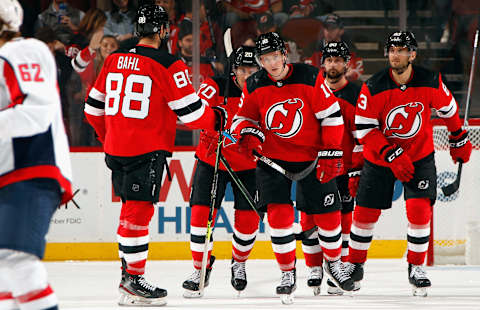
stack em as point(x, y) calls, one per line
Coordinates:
point(400, 67)
point(334, 75)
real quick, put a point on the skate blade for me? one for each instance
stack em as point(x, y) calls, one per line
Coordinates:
point(287, 299)
point(192, 294)
point(357, 286)
point(316, 290)
point(419, 291)
point(129, 300)
point(335, 291)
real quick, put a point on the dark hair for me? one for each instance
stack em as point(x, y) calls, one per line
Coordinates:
point(46, 35)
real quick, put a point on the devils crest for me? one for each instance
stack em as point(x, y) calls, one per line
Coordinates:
point(285, 118)
point(404, 121)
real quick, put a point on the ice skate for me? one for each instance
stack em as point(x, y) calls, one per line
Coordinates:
point(192, 284)
point(124, 270)
point(287, 286)
point(239, 276)
point(338, 274)
point(314, 280)
point(418, 279)
point(136, 291)
point(355, 270)
point(333, 289)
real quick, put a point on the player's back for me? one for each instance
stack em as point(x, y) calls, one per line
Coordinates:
point(31, 110)
point(138, 87)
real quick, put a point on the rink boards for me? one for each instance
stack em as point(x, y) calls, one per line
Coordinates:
point(86, 229)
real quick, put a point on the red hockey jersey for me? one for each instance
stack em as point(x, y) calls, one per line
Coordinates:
point(213, 91)
point(136, 99)
point(352, 152)
point(299, 115)
point(388, 113)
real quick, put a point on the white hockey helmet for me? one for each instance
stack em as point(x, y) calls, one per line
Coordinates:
point(11, 13)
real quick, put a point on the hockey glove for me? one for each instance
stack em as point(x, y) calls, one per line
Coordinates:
point(353, 180)
point(221, 117)
point(460, 146)
point(329, 165)
point(251, 139)
point(209, 140)
point(399, 162)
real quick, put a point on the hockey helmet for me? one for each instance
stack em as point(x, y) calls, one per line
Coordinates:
point(244, 56)
point(336, 49)
point(150, 18)
point(11, 13)
point(401, 38)
point(269, 42)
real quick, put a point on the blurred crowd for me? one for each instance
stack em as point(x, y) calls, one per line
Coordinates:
point(81, 34)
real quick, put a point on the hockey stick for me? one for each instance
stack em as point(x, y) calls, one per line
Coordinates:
point(290, 175)
point(213, 194)
point(453, 187)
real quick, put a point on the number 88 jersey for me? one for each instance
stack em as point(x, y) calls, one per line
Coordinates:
point(136, 99)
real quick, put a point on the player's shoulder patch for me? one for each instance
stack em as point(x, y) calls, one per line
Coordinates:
point(380, 82)
point(349, 93)
point(222, 81)
point(423, 77)
point(160, 56)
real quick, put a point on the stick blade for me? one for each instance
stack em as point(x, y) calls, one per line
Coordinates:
point(227, 41)
point(450, 189)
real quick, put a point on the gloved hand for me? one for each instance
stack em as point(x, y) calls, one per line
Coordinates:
point(400, 163)
point(353, 180)
point(221, 117)
point(329, 165)
point(209, 139)
point(460, 146)
point(251, 139)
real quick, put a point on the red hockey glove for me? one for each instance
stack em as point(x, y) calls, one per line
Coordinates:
point(399, 162)
point(251, 139)
point(209, 140)
point(329, 165)
point(221, 117)
point(460, 146)
point(353, 180)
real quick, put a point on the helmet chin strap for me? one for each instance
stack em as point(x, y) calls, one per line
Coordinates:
point(283, 68)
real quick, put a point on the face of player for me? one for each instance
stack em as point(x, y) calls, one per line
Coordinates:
point(242, 73)
point(400, 57)
point(335, 68)
point(274, 63)
point(186, 45)
point(107, 46)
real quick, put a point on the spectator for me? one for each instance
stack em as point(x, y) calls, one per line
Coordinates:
point(62, 18)
point(93, 21)
point(120, 20)
point(333, 31)
point(299, 8)
point(64, 70)
point(243, 10)
point(185, 51)
point(89, 61)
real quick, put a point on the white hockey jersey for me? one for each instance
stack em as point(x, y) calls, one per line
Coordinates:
point(33, 142)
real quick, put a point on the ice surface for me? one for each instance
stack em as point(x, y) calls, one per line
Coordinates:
point(93, 285)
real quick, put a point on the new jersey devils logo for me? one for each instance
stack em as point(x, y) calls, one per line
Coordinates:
point(284, 118)
point(404, 121)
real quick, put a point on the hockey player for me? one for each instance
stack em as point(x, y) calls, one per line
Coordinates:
point(280, 118)
point(246, 222)
point(335, 58)
point(393, 123)
point(35, 171)
point(133, 107)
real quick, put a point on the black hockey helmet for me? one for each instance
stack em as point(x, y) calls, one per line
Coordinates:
point(244, 56)
point(269, 42)
point(149, 19)
point(336, 49)
point(401, 38)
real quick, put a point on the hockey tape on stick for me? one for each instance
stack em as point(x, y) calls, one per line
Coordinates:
point(227, 41)
point(290, 175)
point(452, 188)
point(227, 135)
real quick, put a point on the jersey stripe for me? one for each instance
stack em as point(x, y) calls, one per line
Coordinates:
point(448, 111)
point(332, 109)
point(16, 94)
point(193, 114)
point(334, 119)
point(89, 109)
point(183, 102)
point(364, 125)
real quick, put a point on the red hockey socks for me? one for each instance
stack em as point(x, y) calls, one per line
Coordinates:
point(361, 235)
point(330, 234)
point(198, 232)
point(132, 234)
point(280, 219)
point(419, 213)
point(310, 245)
point(244, 233)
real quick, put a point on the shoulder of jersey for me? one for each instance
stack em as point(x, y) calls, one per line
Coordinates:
point(160, 56)
point(349, 93)
point(423, 77)
point(302, 74)
point(16, 47)
point(222, 81)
